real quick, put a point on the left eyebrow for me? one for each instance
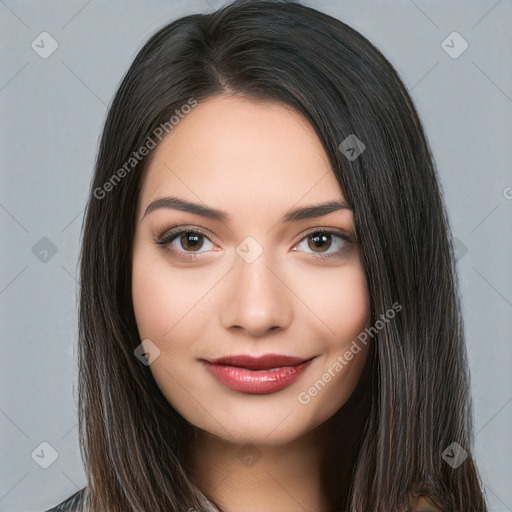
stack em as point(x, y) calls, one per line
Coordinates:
point(304, 212)
point(318, 210)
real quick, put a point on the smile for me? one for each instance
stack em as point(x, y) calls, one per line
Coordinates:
point(257, 375)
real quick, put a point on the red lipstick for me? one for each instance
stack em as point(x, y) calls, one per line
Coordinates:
point(257, 375)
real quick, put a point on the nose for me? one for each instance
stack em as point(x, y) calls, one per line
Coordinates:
point(257, 300)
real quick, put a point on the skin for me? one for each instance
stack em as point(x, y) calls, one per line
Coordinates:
point(255, 161)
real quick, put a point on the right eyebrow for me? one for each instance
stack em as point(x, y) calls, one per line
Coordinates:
point(180, 204)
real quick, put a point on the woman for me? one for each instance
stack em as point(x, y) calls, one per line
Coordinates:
point(269, 316)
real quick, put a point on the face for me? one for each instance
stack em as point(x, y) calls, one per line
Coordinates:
point(249, 279)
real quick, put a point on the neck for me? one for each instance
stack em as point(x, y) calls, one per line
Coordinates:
point(312, 472)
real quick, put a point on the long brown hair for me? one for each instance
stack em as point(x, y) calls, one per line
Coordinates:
point(132, 440)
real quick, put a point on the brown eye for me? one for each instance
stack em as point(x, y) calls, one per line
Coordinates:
point(191, 240)
point(318, 241)
point(326, 243)
point(183, 243)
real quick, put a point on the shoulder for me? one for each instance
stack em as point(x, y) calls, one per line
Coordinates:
point(424, 504)
point(71, 504)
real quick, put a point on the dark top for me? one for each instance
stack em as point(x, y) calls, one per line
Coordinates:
point(71, 504)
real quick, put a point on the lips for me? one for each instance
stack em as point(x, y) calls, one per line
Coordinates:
point(264, 362)
point(257, 375)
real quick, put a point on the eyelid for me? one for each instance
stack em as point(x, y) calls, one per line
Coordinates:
point(170, 231)
point(346, 235)
point(173, 231)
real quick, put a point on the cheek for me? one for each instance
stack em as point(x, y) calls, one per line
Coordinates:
point(169, 304)
point(344, 310)
point(151, 297)
point(338, 303)
point(350, 309)
point(159, 299)
point(168, 313)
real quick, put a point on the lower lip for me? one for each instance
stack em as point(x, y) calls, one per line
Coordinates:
point(259, 382)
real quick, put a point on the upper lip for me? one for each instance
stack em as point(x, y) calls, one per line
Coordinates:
point(262, 362)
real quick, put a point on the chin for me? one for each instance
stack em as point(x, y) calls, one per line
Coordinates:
point(265, 425)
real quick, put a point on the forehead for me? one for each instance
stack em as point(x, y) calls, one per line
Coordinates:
point(240, 152)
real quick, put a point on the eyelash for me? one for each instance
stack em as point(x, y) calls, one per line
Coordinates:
point(169, 234)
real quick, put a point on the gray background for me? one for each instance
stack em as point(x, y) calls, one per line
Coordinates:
point(52, 115)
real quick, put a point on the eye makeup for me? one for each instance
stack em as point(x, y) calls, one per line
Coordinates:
point(196, 236)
